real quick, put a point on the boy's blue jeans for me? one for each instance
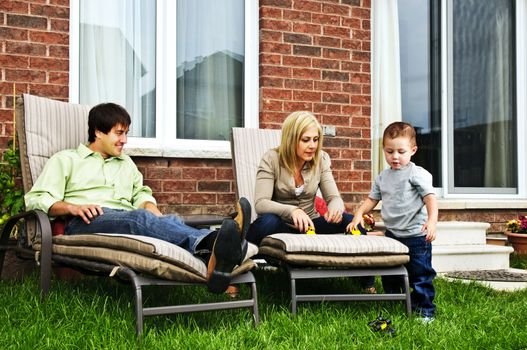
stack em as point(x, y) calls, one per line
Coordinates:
point(267, 224)
point(169, 228)
point(420, 272)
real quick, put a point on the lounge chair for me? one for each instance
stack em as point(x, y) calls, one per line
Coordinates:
point(44, 127)
point(316, 256)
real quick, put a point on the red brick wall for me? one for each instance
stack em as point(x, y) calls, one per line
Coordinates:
point(315, 56)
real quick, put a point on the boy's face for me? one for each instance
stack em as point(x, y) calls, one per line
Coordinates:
point(398, 152)
point(111, 144)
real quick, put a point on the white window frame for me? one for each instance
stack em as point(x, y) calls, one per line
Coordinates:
point(446, 101)
point(166, 144)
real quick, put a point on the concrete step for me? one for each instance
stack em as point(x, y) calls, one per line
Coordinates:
point(460, 233)
point(470, 257)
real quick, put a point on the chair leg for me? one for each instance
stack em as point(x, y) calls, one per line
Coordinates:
point(255, 304)
point(407, 292)
point(293, 296)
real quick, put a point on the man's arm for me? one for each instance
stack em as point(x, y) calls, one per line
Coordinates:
point(87, 212)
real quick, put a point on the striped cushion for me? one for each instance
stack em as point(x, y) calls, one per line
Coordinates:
point(337, 244)
point(51, 126)
point(248, 147)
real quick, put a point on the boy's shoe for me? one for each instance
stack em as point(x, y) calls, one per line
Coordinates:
point(426, 319)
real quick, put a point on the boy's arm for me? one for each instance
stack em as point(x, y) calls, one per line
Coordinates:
point(433, 213)
point(365, 208)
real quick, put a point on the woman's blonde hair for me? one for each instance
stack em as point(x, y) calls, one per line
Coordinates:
point(294, 126)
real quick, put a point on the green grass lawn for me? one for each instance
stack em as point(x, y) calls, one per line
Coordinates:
point(98, 313)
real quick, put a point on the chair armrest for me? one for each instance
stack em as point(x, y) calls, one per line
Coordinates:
point(202, 220)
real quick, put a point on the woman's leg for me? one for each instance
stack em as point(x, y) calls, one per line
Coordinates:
point(266, 225)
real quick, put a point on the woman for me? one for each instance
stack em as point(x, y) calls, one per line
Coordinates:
point(287, 182)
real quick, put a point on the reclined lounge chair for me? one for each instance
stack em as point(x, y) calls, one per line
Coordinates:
point(45, 127)
point(316, 256)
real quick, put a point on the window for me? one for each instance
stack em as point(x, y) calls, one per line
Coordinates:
point(186, 70)
point(458, 83)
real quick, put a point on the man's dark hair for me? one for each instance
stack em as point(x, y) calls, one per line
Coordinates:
point(104, 117)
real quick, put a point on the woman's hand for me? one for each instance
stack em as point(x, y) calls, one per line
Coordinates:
point(333, 216)
point(301, 220)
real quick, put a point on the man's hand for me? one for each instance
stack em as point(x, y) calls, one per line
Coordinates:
point(87, 212)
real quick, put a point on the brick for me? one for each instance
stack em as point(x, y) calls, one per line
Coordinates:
point(155, 185)
point(266, 58)
point(49, 90)
point(14, 34)
point(199, 198)
point(360, 12)
point(272, 105)
point(335, 98)
point(351, 66)
point(341, 32)
point(302, 50)
point(338, 164)
point(275, 71)
point(337, 142)
point(277, 3)
point(297, 16)
point(307, 28)
point(305, 73)
point(328, 86)
point(337, 120)
point(298, 106)
point(50, 11)
point(325, 63)
point(336, 54)
point(271, 82)
point(276, 94)
point(59, 51)
point(13, 61)
point(226, 198)
point(272, 118)
point(49, 64)
point(296, 61)
point(25, 75)
point(298, 84)
point(328, 41)
point(354, 23)
point(334, 75)
point(360, 56)
point(327, 108)
point(326, 19)
point(224, 174)
point(366, 24)
point(352, 44)
point(360, 78)
point(359, 143)
point(22, 21)
point(352, 88)
point(361, 187)
point(307, 6)
point(60, 25)
point(336, 9)
point(60, 2)
point(271, 35)
point(297, 38)
point(360, 100)
point(267, 12)
point(351, 2)
point(178, 185)
point(214, 186)
point(198, 173)
point(169, 198)
point(276, 48)
point(360, 34)
point(275, 25)
point(11, 6)
point(49, 38)
point(162, 173)
point(25, 48)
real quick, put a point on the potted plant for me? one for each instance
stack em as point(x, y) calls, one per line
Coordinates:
point(517, 234)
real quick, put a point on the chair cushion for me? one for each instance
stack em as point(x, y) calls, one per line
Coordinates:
point(144, 254)
point(337, 244)
point(335, 250)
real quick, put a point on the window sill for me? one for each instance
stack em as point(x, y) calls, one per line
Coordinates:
point(462, 204)
point(177, 153)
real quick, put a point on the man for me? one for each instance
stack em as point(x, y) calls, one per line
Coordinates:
point(100, 190)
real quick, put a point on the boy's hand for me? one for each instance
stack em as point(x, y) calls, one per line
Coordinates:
point(430, 228)
point(353, 225)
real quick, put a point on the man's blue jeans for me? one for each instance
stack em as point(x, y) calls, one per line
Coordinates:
point(169, 228)
point(420, 272)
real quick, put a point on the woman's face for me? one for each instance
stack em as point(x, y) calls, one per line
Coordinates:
point(307, 145)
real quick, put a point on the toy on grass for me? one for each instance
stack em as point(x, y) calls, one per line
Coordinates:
point(381, 324)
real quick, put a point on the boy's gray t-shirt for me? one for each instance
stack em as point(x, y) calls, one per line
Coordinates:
point(402, 191)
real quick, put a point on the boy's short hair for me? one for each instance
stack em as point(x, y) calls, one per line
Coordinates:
point(104, 117)
point(400, 129)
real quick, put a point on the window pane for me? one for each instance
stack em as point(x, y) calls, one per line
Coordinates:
point(483, 67)
point(210, 68)
point(117, 58)
point(420, 79)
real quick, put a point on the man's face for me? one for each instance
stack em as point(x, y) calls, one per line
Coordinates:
point(111, 144)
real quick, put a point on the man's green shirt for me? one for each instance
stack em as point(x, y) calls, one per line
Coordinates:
point(82, 176)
